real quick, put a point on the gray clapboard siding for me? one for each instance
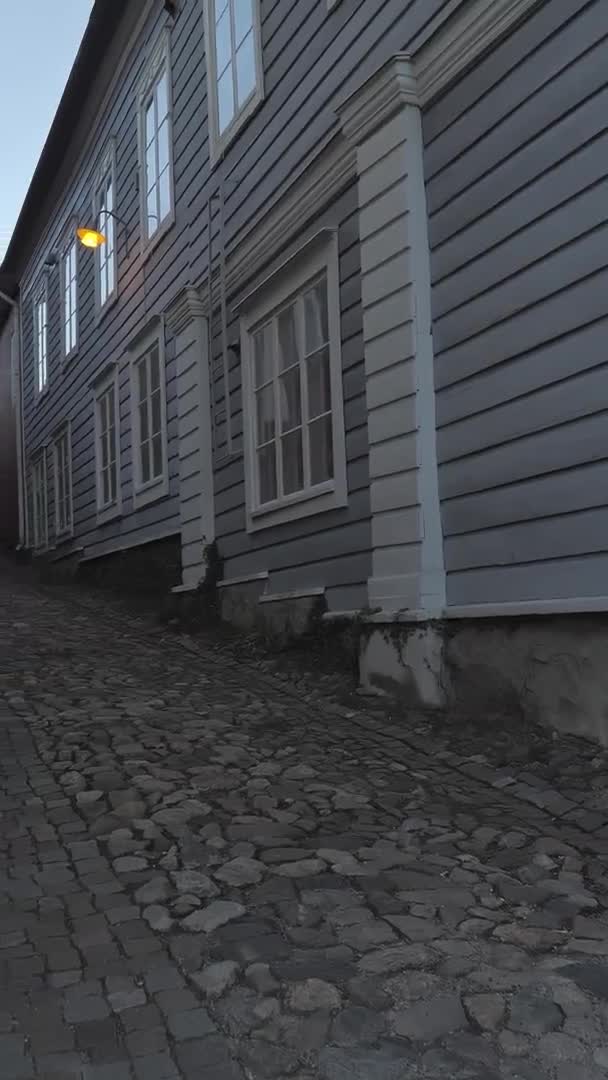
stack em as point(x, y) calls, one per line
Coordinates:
point(515, 165)
point(543, 579)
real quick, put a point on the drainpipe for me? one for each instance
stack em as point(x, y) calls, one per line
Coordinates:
point(19, 433)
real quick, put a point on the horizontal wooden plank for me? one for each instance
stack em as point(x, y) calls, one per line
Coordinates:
point(563, 492)
point(559, 403)
point(584, 576)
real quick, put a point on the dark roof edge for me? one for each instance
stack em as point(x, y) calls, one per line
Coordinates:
point(103, 21)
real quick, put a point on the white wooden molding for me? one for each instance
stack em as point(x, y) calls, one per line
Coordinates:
point(187, 305)
point(377, 99)
point(470, 32)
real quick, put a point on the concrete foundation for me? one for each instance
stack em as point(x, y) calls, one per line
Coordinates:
point(281, 618)
point(551, 670)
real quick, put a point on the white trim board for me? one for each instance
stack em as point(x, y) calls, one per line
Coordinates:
point(244, 579)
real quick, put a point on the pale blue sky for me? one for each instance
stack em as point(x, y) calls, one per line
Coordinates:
point(39, 40)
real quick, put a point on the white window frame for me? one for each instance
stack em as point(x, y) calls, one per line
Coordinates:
point(146, 492)
point(106, 174)
point(158, 63)
point(40, 505)
point(107, 511)
point(69, 349)
point(285, 284)
point(219, 141)
point(63, 434)
point(41, 337)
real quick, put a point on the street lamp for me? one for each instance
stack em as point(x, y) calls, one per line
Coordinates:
point(92, 238)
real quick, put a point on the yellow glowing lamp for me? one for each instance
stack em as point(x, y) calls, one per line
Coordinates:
point(90, 237)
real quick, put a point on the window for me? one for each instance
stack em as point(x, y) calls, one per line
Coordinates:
point(293, 390)
point(107, 448)
point(234, 66)
point(69, 290)
point(62, 468)
point(148, 407)
point(155, 143)
point(106, 253)
point(39, 502)
point(41, 377)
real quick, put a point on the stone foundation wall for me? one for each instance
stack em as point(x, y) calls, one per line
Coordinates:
point(551, 670)
point(150, 570)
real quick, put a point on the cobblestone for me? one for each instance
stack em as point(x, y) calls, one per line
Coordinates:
point(207, 872)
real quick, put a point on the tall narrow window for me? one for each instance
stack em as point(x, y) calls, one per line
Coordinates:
point(107, 448)
point(106, 253)
point(41, 343)
point(70, 299)
point(39, 502)
point(149, 422)
point(234, 65)
point(293, 394)
point(155, 141)
point(62, 466)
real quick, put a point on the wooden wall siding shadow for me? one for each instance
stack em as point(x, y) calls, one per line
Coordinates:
point(515, 160)
point(334, 548)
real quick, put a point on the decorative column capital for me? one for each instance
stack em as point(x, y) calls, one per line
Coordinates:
point(385, 93)
point(186, 306)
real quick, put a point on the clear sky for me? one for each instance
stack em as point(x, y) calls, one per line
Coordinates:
point(39, 40)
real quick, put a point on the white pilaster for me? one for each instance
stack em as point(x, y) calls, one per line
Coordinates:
point(186, 322)
point(383, 120)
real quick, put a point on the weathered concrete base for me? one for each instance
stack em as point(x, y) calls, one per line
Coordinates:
point(551, 670)
point(281, 617)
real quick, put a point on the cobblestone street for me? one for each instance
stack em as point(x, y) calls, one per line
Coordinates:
point(209, 874)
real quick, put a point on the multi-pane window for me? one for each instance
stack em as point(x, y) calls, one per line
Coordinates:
point(63, 482)
point(106, 253)
point(156, 124)
point(39, 502)
point(292, 389)
point(70, 299)
point(233, 62)
point(108, 494)
point(41, 343)
point(149, 392)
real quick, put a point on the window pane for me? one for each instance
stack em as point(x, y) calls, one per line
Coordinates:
point(105, 495)
point(156, 424)
point(110, 275)
point(288, 342)
point(142, 379)
point(151, 166)
point(145, 462)
point(243, 19)
point(162, 98)
point(293, 465)
point(143, 422)
point(289, 394)
point(225, 99)
point(113, 482)
point(315, 317)
point(164, 191)
point(150, 125)
point(104, 451)
point(163, 146)
point(223, 42)
point(265, 412)
point(321, 450)
point(262, 355)
point(154, 368)
point(152, 212)
point(157, 456)
point(109, 200)
point(73, 329)
point(245, 69)
point(267, 473)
